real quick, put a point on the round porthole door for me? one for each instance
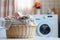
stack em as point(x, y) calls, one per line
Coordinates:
point(44, 29)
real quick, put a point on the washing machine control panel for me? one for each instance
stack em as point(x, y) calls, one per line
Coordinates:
point(37, 19)
point(49, 16)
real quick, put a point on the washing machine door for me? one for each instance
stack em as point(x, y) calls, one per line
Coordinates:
point(44, 29)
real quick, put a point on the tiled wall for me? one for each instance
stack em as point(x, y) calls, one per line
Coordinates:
point(49, 4)
point(59, 10)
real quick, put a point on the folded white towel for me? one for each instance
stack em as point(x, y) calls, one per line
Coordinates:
point(8, 24)
point(27, 19)
point(2, 22)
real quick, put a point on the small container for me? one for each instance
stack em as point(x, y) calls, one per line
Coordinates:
point(49, 11)
point(37, 7)
point(38, 11)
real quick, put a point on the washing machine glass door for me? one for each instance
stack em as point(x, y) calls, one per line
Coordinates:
point(44, 29)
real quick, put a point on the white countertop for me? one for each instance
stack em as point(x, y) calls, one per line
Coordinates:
point(35, 38)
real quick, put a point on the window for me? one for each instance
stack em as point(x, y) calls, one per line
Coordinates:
point(23, 5)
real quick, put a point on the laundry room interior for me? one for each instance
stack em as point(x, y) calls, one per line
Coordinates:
point(30, 19)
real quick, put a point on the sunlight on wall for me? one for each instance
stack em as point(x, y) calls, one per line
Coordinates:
point(23, 4)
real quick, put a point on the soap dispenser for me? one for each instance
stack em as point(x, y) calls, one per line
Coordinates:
point(49, 11)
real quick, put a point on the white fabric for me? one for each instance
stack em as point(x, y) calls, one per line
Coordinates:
point(2, 22)
point(7, 24)
point(8, 21)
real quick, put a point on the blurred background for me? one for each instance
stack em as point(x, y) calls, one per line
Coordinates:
point(9, 7)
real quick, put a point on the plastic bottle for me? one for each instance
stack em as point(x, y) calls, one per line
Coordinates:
point(49, 11)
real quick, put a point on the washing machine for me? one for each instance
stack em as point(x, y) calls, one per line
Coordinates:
point(47, 25)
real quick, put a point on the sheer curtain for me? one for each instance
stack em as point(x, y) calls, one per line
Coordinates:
point(9, 7)
point(6, 8)
point(24, 6)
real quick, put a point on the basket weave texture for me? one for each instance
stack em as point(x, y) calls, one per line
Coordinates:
point(20, 31)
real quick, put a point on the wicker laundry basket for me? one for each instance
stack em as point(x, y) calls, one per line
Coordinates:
point(20, 31)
